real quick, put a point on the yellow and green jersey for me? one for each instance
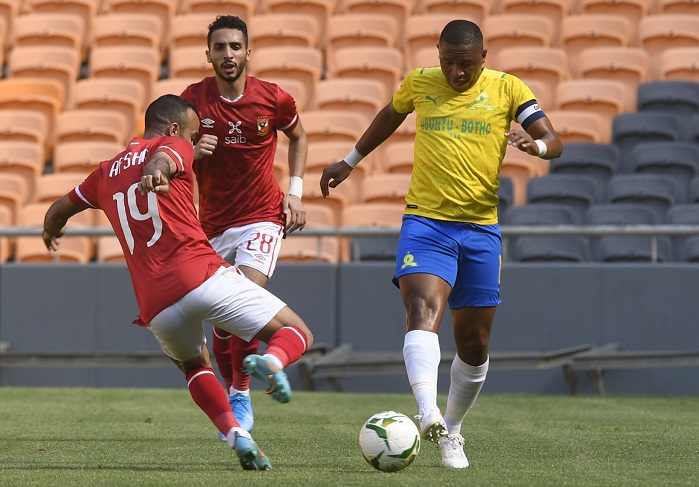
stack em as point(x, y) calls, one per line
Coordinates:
point(459, 143)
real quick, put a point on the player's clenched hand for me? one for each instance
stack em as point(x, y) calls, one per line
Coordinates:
point(156, 182)
point(205, 147)
point(295, 213)
point(333, 175)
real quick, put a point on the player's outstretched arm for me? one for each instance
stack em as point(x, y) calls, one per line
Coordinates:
point(55, 221)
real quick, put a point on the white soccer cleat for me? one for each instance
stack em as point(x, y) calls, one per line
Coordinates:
point(432, 425)
point(452, 449)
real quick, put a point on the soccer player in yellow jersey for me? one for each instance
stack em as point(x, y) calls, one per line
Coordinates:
point(449, 250)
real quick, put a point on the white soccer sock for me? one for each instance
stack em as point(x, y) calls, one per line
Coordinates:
point(422, 356)
point(466, 383)
point(232, 391)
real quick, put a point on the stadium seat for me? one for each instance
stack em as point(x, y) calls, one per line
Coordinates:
point(385, 188)
point(521, 167)
point(633, 10)
point(629, 129)
point(680, 64)
point(629, 65)
point(9, 10)
point(682, 7)
point(656, 191)
point(59, 63)
point(626, 248)
point(304, 64)
point(579, 32)
point(320, 9)
point(597, 161)
point(657, 33)
point(310, 249)
point(399, 159)
point(571, 190)
point(422, 31)
point(384, 64)
point(245, 9)
point(327, 125)
point(73, 249)
point(51, 29)
point(375, 215)
point(693, 132)
point(364, 96)
point(397, 9)
point(14, 194)
point(91, 125)
point(7, 245)
point(575, 126)
point(546, 64)
point(475, 10)
point(170, 86)
point(52, 186)
point(605, 97)
point(543, 248)
point(506, 195)
point(191, 30)
point(404, 133)
point(517, 30)
point(123, 95)
point(128, 29)
point(674, 97)
point(25, 159)
point(189, 62)
point(555, 10)
point(83, 156)
point(322, 154)
point(287, 29)
point(109, 250)
point(85, 9)
point(295, 88)
point(679, 160)
point(164, 10)
point(685, 248)
point(21, 125)
point(358, 30)
point(132, 62)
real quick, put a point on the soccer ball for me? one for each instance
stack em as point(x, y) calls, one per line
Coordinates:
point(389, 441)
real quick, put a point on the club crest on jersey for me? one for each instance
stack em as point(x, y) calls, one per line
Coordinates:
point(262, 125)
point(235, 134)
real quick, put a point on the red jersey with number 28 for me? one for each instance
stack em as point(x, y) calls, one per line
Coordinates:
point(166, 250)
point(236, 183)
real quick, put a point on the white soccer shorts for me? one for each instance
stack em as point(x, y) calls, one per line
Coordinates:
point(256, 245)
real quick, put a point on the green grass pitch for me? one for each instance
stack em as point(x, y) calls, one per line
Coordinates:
point(147, 437)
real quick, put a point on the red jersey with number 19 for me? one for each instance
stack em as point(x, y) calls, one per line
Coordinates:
point(236, 183)
point(167, 253)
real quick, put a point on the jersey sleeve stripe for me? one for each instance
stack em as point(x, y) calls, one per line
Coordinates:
point(177, 156)
point(80, 195)
point(290, 124)
point(528, 113)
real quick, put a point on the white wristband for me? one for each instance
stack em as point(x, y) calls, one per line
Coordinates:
point(295, 186)
point(542, 147)
point(353, 158)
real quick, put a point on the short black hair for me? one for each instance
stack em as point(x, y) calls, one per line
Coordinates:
point(461, 33)
point(228, 22)
point(166, 110)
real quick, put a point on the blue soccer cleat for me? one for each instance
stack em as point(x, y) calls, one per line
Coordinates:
point(275, 378)
point(242, 409)
point(249, 454)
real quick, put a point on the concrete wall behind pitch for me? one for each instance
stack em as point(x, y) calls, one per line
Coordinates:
point(545, 307)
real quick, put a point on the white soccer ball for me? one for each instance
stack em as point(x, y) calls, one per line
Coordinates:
point(389, 441)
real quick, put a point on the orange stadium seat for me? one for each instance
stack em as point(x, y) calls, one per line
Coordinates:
point(320, 9)
point(427, 57)
point(162, 9)
point(358, 29)
point(326, 125)
point(287, 29)
point(580, 32)
point(545, 98)
point(85, 9)
point(658, 33)
point(629, 65)
point(138, 63)
point(114, 94)
point(23, 126)
point(83, 156)
point(474, 10)
point(633, 10)
point(91, 125)
point(109, 250)
point(686, 7)
point(555, 10)
point(190, 30)
point(304, 64)
point(127, 29)
point(50, 187)
point(295, 88)
point(576, 126)
point(336, 201)
point(604, 97)
point(244, 9)
point(546, 64)
point(172, 86)
point(680, 64)
point(517, 30)
point(398, 9)
point(5, 41)
point(9, 10)
point(7, 245)
point(59, 63)
point(384, 188)
point(26, 159)
point(14, 194)
point(309, 249)
point(73, 249)
point(404, 133)
point(322, 154)
point(422, 31)
point(361, 95)
point(375, 215)
point(384, 64)
point(189, 62)
point(50, 29)
point(399, 159)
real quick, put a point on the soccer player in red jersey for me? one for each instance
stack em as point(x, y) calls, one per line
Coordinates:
point(242, 208)
point(147, 193)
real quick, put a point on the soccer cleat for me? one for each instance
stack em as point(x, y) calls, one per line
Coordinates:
point(432, 425)
point(249, 454)
point(242, 409)
point(277, 382)
point(452, 449)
